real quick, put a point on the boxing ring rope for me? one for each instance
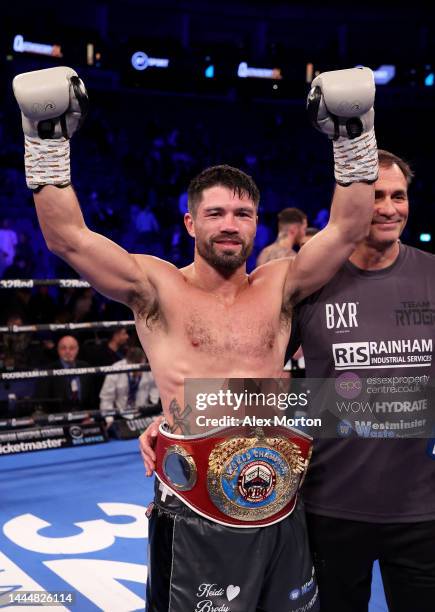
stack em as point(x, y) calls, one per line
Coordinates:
point(63, 283)
point(45, 373)
point(39, 420)
point(72, 415)
point(18, 329)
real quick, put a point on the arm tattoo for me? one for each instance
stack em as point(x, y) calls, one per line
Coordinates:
point(180, 418)
point(276, 252)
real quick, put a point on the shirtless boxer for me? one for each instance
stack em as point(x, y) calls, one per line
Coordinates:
point(210, 319)
point(292, 225)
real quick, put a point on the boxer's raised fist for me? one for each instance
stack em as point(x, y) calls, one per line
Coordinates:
point(53, 102)
point(53, 105)
point(340, 103)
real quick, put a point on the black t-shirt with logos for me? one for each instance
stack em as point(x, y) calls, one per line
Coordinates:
point(375, 327)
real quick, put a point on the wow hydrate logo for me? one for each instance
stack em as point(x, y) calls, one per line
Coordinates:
point(383, 354)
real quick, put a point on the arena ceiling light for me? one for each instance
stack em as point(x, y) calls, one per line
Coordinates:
point(23, 46)
point(244, 71)
point(384, 74)
point(141, 61)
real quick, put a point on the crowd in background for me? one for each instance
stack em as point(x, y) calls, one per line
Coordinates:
point(131, 164)
point(134, 157)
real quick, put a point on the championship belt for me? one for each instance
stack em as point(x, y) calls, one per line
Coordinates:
point(235, 476)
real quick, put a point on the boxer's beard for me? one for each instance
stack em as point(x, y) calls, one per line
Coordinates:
point(227, 260)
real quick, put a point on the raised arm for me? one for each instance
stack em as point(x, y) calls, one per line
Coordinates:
point(53, 104)
point(109, 268)
point(341, 105)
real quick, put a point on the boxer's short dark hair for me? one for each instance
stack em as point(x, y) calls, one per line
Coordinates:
point(387, 159)
point(287, 216)
point(226, 176)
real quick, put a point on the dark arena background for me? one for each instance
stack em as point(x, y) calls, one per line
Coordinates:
point(174, 87)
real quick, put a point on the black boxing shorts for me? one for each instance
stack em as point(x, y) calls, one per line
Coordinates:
point(198, 565)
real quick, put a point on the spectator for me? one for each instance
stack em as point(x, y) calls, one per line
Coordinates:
point(42, 306)
point(43, 351)
point(106, 353)
point(21, 267)
point(292, 224)
point(8, 242)
point(15, 345)
point(16, 303)
point(111, 351)
point(146, 222)
point(147, 228)
point(129, 390)
point(65, 392)
point(84, 306)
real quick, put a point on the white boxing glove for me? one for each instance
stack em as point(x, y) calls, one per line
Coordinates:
point(53, 104)
point(340, 104)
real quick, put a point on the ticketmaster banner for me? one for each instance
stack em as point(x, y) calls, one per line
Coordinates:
point(50, 437)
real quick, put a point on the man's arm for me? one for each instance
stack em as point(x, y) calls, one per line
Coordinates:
point(107, 393)
point(147, 443)
point(48, 127)
point(323, 255)
point(340, 105)
point(108, 267)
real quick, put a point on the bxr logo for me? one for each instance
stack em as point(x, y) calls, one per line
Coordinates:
point(341, 316)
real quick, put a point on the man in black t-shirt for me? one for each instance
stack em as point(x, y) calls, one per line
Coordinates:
point(370, 491)
point(107, 353)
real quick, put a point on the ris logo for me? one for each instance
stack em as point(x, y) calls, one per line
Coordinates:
point(341, 315)
point(351, 354)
